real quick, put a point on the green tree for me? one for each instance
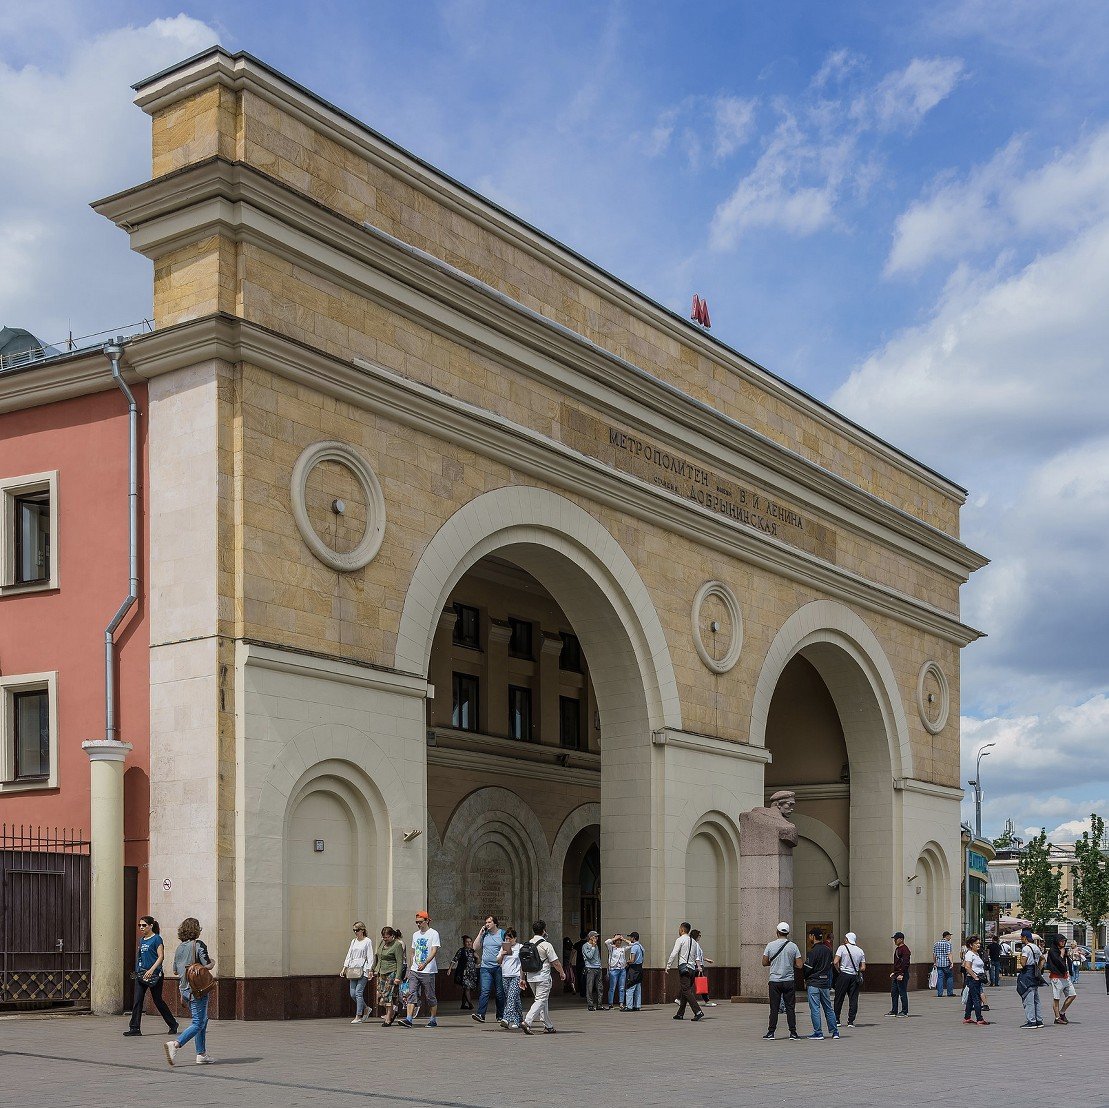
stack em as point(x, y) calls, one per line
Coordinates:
point(1041, 883)
point(1091, 876)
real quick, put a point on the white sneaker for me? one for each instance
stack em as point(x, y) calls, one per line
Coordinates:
point(710, 1003)
point(171, 1051)
point(367, 1016)
point(357, 1019)
point(204, 1060)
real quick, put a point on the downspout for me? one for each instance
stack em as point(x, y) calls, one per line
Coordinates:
point(114, 352)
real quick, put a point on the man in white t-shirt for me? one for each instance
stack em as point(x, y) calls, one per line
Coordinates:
point(850, 961)
point(540, 978)
point(421, 974)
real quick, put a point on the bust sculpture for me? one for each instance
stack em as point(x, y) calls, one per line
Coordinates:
point(768, 831)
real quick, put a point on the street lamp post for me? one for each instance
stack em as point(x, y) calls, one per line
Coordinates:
point(983, 752)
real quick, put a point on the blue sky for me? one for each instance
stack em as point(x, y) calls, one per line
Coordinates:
point(902, 208)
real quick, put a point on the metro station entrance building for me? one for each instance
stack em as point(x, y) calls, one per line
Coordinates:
point(480, 582)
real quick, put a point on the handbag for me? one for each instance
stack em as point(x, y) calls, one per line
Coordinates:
point(933, 978)
point(352, 973)
point(198, 975)
point(701, 986)
point(965, 993)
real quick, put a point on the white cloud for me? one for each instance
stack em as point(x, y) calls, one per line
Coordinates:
point(735, 124)
point(1070, 831)
point(904, 98)
point(997, 203)
point(79, 138)
point(823, 152)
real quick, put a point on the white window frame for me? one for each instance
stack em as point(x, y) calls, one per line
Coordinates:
point(10, 488)
point(26, 682)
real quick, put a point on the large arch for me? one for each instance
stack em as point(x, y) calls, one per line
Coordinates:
point(603, 596)
point(852, 664)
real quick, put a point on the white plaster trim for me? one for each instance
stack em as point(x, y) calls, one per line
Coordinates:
point(242, 71)
point(944, 792)
point(933, 727)
point(825, 621)
point(331, 669)
point(106, 750)
point(708, 744)
point(728, 599)
point(10, 488)
point(344, 455)
point(27, 682)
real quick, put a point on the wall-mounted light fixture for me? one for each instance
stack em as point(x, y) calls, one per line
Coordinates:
point(317, 846)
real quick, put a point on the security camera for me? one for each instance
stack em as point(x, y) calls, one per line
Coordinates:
point(408, 836)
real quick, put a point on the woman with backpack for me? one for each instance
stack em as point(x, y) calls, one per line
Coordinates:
point(356, 970)
point(193, 967)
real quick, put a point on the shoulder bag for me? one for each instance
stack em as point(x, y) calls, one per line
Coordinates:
point(198, 975)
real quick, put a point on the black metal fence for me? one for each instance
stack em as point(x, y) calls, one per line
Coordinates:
point(44, 916)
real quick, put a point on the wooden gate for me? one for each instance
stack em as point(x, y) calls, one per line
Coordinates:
point(44, 916)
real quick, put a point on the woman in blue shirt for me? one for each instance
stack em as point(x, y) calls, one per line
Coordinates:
point(149, 975)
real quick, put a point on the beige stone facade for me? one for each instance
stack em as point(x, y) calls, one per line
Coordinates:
point(314, 284)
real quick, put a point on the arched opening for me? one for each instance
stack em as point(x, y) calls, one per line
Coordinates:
point(581, 884)
point(827, 708)
point(806, 739)
point(551, 672)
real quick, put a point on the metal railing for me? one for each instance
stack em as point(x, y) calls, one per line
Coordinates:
point(71, 345)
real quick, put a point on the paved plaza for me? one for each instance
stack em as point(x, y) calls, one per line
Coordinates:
point(608, 1057)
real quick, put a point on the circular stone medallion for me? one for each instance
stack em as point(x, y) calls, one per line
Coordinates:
point(933, 697)
point(338, 505)
point(717, 626)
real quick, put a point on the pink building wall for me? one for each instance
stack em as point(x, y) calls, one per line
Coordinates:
point(85, 439)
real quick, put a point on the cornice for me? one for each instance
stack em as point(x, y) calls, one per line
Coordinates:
point(218, 196)
point(710, 744)
point(832, 790)
point(418, 406)
point(57, 379)
point(507, 757)
point(243, 71)
point(412, 404)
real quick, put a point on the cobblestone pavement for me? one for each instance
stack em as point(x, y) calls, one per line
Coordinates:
point(930, 1058)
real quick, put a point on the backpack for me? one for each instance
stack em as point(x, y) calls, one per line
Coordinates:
point(199, 976)
point(531, 961)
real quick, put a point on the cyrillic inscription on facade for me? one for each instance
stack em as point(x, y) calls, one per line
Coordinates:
point(745, 505)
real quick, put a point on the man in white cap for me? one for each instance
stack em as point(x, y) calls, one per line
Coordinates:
point(850, 961)
point(783, 958)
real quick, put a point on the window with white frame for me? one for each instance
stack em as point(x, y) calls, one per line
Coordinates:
point(28, 732)
point(29, 532)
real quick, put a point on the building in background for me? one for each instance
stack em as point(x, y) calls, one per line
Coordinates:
point(473, 579)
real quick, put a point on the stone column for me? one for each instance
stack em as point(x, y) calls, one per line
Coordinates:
point(550, 682)
point(494, 696)
point(766, 842)
point(106, 757)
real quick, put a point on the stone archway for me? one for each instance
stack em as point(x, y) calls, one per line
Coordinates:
point(850, 661)
point(493, 857)
point(584, 569)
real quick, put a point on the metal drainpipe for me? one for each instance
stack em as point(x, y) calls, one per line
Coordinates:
point(114, 352)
